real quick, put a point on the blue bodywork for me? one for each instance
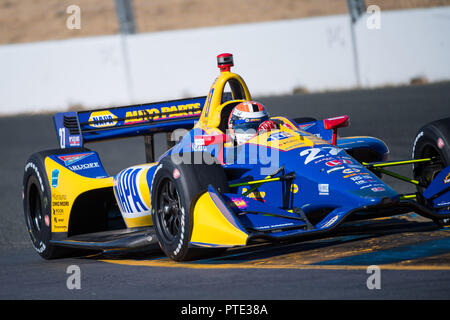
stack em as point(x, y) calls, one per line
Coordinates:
point(329, 184)
point(320, 185)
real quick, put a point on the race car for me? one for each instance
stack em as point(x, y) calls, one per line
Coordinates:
point(207, 192)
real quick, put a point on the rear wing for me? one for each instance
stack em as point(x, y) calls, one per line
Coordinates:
point(75, 129)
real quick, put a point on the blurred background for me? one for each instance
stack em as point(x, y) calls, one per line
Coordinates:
point(71, 54)
point(41, 20)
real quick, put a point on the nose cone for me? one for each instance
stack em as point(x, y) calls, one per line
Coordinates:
point(332, 178)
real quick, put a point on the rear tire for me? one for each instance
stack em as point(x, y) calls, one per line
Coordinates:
point(37, 205)
point(173, 191)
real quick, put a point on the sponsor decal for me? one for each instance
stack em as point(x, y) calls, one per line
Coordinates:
point(60, 221)
point(104, 118)
point(272, 226)
point(279, 136)
point(362, 177)
point(256, 195)
point(337, 162)
point(57, 211)
point(55, 178)
point(348, 171)
point(240, 203)
point(72, 158)
point(176, 173)
point(294, 188)
point(324, 189)
point(197, 148)
point(313, 154)
point(84, 166)
point(126, 187)
point(377, 189)
point(334, 169)
point(199, 141)
point(74, 141)
point(447, 179)
point(139, 116)
point(59, 200)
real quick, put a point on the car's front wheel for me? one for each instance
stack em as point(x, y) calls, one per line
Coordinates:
point(432, 141)
point(174, 189)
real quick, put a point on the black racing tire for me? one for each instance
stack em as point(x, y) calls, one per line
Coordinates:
point(37, 205)
point(431, 141)
point(174, 189)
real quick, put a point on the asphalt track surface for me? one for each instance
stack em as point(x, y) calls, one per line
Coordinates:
point(413, 254)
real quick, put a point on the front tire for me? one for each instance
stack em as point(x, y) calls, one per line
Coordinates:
point(173, 192)
point(432, 141)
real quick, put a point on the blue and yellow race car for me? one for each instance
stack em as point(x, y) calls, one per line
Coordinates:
point(208, 193)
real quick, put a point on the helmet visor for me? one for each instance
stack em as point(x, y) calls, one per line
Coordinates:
point(241, 125)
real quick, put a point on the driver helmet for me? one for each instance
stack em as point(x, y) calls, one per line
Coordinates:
point(245, 119)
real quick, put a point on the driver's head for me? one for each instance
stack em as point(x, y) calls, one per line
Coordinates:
point(245, 119)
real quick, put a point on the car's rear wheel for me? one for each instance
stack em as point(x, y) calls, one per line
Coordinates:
point(37, 206)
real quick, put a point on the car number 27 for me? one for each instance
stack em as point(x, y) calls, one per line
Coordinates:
point(317, 153)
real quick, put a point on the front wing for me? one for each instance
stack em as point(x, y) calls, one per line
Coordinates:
point(228, 220)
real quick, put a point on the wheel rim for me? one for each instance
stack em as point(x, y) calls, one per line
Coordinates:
point(169, 210)
point(429, 172)
point(35, 209)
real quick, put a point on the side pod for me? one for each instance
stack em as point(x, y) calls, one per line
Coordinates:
point(214, 224)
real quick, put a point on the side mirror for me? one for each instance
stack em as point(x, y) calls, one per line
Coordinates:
point(334, 124)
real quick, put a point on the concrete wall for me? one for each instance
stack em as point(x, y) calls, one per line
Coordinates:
point(409, 44)
point(59, 74)
point(274, 58)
